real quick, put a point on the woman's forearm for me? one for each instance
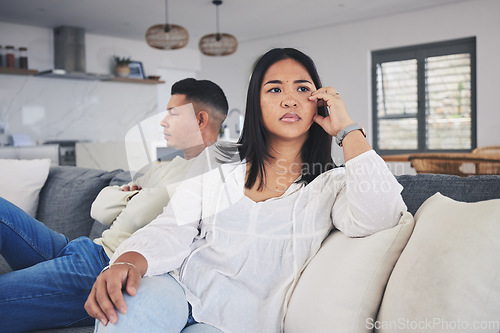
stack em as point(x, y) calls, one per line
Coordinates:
point(354, 144)
point(371, 199)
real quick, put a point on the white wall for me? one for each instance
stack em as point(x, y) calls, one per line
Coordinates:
point(63, 109)
point(342, 55)
point(341, 52)
point(99, 50)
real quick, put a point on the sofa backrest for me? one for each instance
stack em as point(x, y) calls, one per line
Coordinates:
point(68, 193)
point(66, 197)
point(417, 188)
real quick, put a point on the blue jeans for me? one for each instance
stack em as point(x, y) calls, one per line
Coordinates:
point(160, 305)
point(51, 276)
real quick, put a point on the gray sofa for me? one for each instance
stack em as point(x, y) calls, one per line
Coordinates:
point(67, 195)
point(64, 206)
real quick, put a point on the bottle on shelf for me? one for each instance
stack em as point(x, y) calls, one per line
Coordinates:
point(10, 60)
point(23, 57)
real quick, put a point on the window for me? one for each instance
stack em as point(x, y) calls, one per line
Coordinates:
point(424, 97)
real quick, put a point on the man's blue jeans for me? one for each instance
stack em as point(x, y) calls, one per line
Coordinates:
point(51, 276)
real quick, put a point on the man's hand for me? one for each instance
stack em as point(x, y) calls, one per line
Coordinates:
point(132, 187)
point(106, 295)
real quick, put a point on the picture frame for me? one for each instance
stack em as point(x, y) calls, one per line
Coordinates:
point(136, 70)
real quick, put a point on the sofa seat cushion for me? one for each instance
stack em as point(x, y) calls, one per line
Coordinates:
point(66, 198)
point(341, 288)
point(448, 276)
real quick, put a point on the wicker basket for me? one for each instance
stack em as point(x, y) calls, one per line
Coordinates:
point(460, 164)
point(487, 149)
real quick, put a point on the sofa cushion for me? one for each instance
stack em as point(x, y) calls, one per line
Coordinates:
point(121, 178)
point(66, 198)
point(97, 229)
point(21, 181)
point(468, 189)
point(448, 274)
point(341, 288)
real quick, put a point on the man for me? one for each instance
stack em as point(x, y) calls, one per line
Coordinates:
point(195, 113)
point(51, 288)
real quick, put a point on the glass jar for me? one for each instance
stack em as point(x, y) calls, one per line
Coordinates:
point(23, 57)
point(10, 60)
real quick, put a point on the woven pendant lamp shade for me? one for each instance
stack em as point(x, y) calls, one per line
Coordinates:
point(218, 44)
point(167, 36)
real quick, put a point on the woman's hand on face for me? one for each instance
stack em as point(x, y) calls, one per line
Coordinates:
point(338, 118)
point(106, 294)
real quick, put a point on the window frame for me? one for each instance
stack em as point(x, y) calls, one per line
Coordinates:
point(420, 53)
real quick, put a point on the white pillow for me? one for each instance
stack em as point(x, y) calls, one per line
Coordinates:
point(342, 287)
point(448, 277)
point(22, 180)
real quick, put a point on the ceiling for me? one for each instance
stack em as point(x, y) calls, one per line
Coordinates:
point(245, 19)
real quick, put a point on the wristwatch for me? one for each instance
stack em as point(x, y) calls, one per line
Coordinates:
point(346, 130)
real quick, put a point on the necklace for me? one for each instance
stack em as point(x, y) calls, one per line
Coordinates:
point(276, 191)
point(279, 171)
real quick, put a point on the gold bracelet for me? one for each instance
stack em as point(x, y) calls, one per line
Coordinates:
point(117, 263)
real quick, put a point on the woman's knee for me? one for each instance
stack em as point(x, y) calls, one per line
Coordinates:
point(162, 285)
point(160, 292)
point(160, 305)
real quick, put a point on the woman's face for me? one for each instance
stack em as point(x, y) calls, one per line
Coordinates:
point(287, 112)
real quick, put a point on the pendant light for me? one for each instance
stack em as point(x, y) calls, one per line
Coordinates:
point(167, 36)
point(218, 44)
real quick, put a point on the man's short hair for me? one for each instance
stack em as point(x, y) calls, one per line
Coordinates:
point(204, 92)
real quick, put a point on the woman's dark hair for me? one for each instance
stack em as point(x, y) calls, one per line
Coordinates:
point(316, 151)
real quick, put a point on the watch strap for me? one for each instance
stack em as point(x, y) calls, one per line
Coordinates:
point(346, 130)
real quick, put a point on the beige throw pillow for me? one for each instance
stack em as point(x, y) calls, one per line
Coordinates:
point(22, 180)
point(342, 287)
point(448, 277)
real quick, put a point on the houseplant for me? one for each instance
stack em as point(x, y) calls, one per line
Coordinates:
point(121, 66)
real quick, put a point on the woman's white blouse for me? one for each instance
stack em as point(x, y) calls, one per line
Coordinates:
point(238, 260)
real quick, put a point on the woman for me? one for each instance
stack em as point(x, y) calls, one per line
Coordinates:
point(241, 236)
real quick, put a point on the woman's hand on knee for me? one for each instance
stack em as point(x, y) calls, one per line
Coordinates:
point(106, 295)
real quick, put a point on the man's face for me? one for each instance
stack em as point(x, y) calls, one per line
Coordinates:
point(180, 126)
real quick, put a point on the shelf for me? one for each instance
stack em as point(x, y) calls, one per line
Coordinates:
point(17, 71)
point(61, 74)
point(131, 80)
